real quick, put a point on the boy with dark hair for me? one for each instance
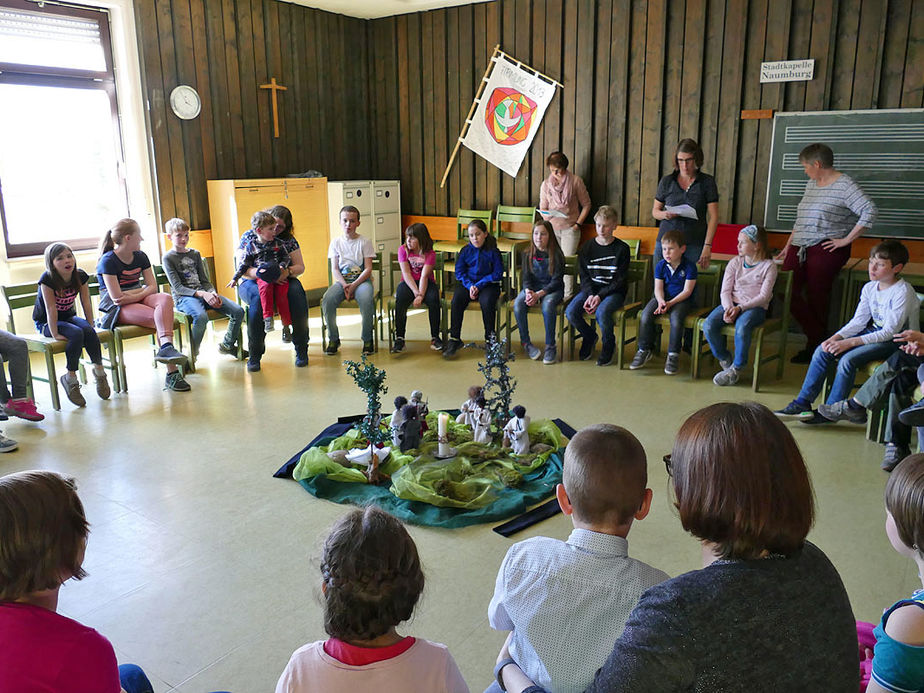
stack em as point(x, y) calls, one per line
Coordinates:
point(674, 281)
point(604, 266)
point(887, 306)
point(584, 587)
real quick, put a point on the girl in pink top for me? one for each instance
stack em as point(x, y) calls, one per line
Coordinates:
point(417, 287)
point(43, 532)
point(371, 580)
point(747, 287)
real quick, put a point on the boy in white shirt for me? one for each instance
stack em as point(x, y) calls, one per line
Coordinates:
point(351, 267)
point(887, 306)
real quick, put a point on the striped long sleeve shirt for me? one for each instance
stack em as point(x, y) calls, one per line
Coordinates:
point(831, 211)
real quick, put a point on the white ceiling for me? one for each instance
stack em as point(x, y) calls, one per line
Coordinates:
point(371, 9)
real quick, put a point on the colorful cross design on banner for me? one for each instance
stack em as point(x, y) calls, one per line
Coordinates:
point(509, 116)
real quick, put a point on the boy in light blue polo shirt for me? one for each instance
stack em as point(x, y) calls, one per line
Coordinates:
point(567, 602)
point(674, 281)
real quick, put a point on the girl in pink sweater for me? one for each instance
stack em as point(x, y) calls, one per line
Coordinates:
point(371, 580)
point(747, 287)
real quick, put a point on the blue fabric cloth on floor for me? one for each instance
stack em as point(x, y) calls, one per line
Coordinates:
point(535, 488)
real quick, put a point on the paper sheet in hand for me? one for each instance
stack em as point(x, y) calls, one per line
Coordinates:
point(682, 211)
point(551, 213)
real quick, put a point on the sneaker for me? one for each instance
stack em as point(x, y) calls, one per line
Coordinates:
point(253, 366)
point(606, 355)
point(398, 346)
point(7, 444)
point(587, 348)
point(804, 356)
point(727, 377)
point(176, 382)
point(815, 419)
point(72, 390)
point(724, 364)
point(893, 455)
point(532, 351)
point(230, 349)
point(550, 355)
point(368, 348)
point(436, 344)
point(913, 415)
point(642, 357)
point(672, 364)
point(301, 360)
point(23, 408)
point(102, 385)
point(451, 348)
point(332, 347)
point(795, 408)
point(168, 354)
point(268, 325)
point(287, 334)
point(842, 411)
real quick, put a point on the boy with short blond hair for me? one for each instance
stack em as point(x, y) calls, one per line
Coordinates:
point(568, 602)
point(193, 293)
point(674, 281)
point(604, 266)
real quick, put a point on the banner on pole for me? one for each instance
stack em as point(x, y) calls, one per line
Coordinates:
point(510, 109)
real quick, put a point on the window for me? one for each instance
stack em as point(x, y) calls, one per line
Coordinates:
point(61, 170)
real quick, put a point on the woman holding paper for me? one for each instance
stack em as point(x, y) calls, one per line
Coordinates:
point(688, 200)
point(564, 202)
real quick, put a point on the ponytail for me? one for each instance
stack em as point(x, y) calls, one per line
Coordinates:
point(117, 234)
point(106, 244)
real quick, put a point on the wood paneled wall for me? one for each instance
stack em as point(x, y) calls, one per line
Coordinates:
point(639, 75)
point(226, 49)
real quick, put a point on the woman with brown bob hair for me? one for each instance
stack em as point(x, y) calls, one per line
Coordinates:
point(767, 611)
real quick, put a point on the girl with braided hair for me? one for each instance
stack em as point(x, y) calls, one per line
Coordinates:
point(370, 581)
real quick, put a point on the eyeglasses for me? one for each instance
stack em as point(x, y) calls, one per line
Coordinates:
point(668, 466)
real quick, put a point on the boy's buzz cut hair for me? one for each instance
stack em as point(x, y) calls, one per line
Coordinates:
point(891, 250)
point(608, 213)
point(674, 236)
point(349, 209)
point(175, 225)
point(605, 475)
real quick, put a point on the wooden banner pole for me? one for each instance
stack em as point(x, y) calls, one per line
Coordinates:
point(468, 118)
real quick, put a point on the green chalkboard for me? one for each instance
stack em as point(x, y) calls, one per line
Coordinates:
point(882, 150)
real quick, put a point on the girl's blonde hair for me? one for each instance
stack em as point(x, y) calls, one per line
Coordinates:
point(117, 234)
point(758, 235)
point(904, 499)
point(57, 281)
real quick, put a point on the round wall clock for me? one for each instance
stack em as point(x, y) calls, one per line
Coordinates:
point(185, 102)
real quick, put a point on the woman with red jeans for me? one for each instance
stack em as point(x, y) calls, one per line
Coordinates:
point(834, 211)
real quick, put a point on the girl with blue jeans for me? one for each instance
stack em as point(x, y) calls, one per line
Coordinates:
point(542, 280)
point(747, 287)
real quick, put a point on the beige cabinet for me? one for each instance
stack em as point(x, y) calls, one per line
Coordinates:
point(233, 202)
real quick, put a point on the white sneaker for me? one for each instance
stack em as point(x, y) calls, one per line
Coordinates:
point(7, 444)
point(727, 377)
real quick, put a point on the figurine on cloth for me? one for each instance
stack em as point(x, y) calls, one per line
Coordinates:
point(516, 432)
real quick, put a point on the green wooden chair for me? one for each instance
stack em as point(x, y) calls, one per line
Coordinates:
point(636, 277)
point(782, 296)
point(377, 327)
point(635, 246)
point(22, 296)
point(160, 276)
point(510, 239)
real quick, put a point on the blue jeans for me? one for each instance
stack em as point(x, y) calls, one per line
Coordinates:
point(80, 335)
point(846, 369)
point(744, 325)
point(364, 296)
point(646, 325)
point(197, 309)
point(549, 306)
point(133, 680)
point(604, 316)
point(256, 335)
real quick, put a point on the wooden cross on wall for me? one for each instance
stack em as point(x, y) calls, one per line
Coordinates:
point(274, 87)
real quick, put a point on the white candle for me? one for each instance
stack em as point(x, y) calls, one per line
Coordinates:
point(442, 428)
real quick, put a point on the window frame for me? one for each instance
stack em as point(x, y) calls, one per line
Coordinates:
point(72, 78)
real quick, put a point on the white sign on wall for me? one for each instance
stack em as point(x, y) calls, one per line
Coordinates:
point(788, 71)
